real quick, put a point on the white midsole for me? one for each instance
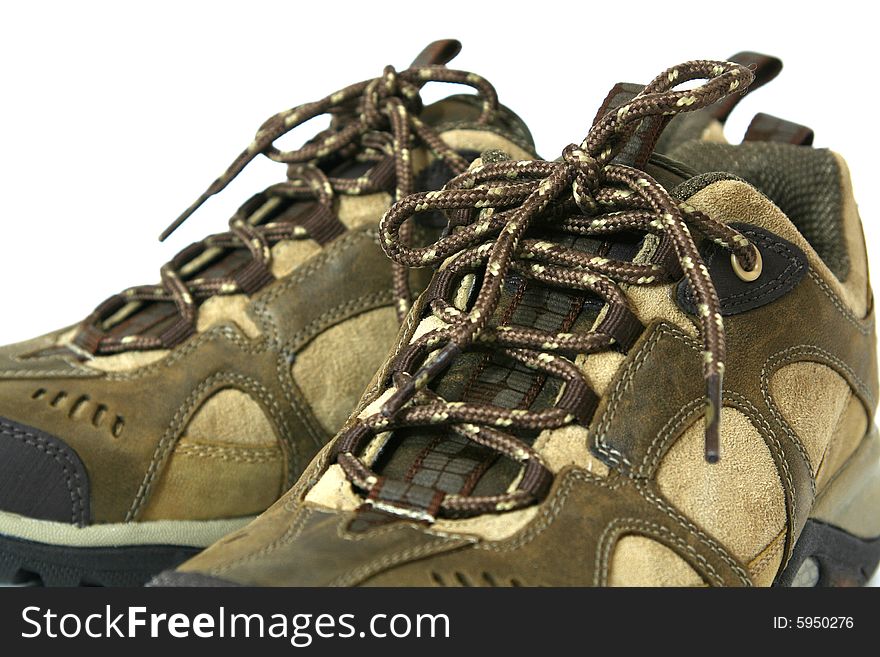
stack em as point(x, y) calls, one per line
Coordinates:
point(189, 533)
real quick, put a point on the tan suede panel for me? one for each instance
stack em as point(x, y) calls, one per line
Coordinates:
point(740, 499)
point(331, 378)
point(568, 446)
point(356, 211)
point(599, 368)
point(334, 491)
point(128, 360)
point(287, 255)
point(714, 132)
point(374, 406)
point(430, 323)
point(811, 397)
point(642, 561)
point(65, 337)
point(208, 481)
point(657, 302)
point(483, 140)
point(231, 417)
point(495, 527)
point(225, 309)
point(463, 293)
point(649, 302)
point(732, 200)
point(845, 439)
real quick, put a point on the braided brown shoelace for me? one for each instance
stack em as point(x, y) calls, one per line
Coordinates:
point(491, 207)
point(374, 122)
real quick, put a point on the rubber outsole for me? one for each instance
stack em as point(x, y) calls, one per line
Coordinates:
point(823, 556)
point(826, 555)
point(25, 562)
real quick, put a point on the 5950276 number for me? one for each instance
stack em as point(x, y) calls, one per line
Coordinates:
point(824, 622)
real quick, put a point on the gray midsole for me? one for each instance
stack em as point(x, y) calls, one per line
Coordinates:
point(188, 533)
point(851, 500)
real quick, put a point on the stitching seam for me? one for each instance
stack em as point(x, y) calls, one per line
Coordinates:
point(231, 454)
point(709, 542)
point(549, 514)
point(172, 434)
point(622, 385)
point(616, 528)
point(863, 326)
point(59, 455)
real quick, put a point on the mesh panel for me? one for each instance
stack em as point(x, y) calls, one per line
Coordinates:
point(804, 183)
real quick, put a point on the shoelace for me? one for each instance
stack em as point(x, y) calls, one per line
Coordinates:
point(374, 120)
point(491, 207)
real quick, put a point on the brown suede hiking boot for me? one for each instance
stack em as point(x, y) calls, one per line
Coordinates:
point(611, 380)
point(177, 412)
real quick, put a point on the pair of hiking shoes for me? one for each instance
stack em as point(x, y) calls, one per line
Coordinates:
point(430, 358)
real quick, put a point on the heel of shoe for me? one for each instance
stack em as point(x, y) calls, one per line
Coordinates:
point(840, 544)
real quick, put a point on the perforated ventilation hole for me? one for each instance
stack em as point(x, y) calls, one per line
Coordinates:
point(78, 409)
point(77, 406)
point(460, 579)
point(98, 415)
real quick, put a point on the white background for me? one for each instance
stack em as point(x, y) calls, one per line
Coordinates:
point(115, 116)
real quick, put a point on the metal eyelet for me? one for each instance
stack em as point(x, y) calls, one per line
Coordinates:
point(746, 275)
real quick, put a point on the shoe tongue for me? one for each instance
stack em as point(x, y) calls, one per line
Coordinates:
point(437, 53)
point(462, 111)
point(639, 151)
point(638, 148)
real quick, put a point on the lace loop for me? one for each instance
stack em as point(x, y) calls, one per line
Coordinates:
point(586, 193)
point(329, 141)
point(373, 121)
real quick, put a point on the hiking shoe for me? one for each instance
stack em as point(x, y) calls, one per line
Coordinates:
point(177, 412)
point(611, 380)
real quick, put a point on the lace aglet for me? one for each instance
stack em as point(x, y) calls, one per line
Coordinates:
point(713, 418)
point(186, 214)
point(423, 376)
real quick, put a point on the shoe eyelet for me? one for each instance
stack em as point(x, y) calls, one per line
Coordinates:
point(744, 274)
